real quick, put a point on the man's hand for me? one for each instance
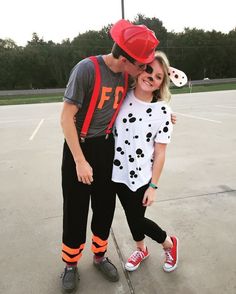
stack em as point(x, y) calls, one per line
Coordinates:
point(84, 172)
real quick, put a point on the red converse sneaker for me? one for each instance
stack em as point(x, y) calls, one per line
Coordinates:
point(135, 259)
point(171, 256)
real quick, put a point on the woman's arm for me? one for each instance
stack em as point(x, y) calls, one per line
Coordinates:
point(159, 160)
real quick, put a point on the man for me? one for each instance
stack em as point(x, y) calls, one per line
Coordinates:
point(88, 155)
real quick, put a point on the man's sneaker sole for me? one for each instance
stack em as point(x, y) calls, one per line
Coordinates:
point(131, 269)
point(171, 269)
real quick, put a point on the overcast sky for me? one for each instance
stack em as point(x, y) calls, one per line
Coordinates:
point(61, 19)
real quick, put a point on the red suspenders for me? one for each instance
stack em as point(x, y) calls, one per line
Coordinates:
point(93, 102)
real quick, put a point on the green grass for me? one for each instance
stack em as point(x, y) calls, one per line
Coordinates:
point(204, 88)
point(30, 99)
point(46, 98)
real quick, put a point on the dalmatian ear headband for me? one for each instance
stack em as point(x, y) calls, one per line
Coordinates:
point(177, 76)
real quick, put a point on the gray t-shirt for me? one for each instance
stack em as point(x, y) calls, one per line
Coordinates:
point(80, 88)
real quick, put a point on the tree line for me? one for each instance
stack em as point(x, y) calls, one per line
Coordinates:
point(41, 64)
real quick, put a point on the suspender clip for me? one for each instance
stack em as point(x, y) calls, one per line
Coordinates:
point(82, 139)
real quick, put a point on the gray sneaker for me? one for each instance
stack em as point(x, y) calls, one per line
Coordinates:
point(70, 279)
point(108, 269)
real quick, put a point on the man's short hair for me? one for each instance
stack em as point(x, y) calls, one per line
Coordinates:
point(117, 52)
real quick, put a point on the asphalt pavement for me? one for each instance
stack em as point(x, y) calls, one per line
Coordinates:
point(196, 202)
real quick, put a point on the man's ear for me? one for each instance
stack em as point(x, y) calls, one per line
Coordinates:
point(123, 60)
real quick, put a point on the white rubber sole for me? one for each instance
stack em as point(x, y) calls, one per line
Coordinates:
point(131, 269)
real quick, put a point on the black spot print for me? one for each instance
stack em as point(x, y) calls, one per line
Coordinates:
point(149, 125)
point(139, 152)
point(140, 119)
point(130, 104)
point(119, 149)
point(133, 174)
point(117, 163)
point(127, 130)
point(131, 118)
point(167, 123)
point(164, 109)
point(149, 135)
point(165, 129)
point(131, 159)
point(176, 76)
point(127, 142)
point(149, 110)
point(135, 137)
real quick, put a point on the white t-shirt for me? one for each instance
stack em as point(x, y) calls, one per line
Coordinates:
point(138, 126)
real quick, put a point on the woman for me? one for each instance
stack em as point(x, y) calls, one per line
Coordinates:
point(142, 131)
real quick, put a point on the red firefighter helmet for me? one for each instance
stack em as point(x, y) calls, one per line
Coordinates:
point(136, 40)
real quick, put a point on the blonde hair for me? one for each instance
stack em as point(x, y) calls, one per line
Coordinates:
point(164, 92)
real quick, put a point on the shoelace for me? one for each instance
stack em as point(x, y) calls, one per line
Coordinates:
point(136, 255)
point(169, 258)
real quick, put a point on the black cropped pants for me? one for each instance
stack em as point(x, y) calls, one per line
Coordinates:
point(139, 225)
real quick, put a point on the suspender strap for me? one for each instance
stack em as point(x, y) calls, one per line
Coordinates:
point(94, 98)
point(109, 128)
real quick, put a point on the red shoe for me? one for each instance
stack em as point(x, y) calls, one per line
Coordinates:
point(135, 259)
point(171, 256)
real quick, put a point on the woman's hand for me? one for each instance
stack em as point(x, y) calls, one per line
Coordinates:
point(149, 196)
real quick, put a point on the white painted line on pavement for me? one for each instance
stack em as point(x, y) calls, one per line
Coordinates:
point(198, 117)
point(36, 130)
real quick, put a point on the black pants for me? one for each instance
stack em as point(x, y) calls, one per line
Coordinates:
point(99, 152)
point(134, 210)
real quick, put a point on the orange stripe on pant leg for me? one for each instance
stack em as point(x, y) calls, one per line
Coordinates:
point(99, 249)
point(99, 241)
point(66, 258)
point(101, 245)
point(72, 251)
